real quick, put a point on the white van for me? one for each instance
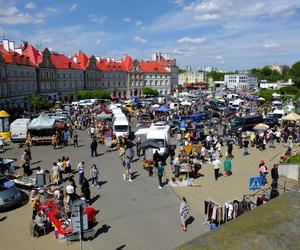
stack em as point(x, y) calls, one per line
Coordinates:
point(18, 129)
point(121, 126)
point(75, 105)
point(161, 136)
point(119, 115)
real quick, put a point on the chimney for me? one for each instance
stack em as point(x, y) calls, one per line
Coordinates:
point(6, 44)
point(19, 51)
point(12, 45)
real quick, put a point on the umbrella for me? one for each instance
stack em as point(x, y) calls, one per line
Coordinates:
point(276, 102)
point(149, 144)
point(155, 106)
point(104, 115)
point(261, 127)
point(291, 117)
point(162, 109)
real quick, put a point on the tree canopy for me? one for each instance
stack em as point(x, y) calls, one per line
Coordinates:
point(96, 94)
point(37, 102)
point(150, 92)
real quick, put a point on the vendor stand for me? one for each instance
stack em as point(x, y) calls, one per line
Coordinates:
point(42, 129)
point(5, 164)
point(57, 216)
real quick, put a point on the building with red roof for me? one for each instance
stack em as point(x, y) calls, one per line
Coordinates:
point(26, 70)
point(18, 75)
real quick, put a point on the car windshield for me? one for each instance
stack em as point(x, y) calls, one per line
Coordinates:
point(159, 142)
point(121, 128)
point(238, 122)
point(5, 184)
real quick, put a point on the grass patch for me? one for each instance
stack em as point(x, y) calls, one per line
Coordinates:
point(294, 159)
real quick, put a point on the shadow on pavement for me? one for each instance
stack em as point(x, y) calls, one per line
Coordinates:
point(94, 199)
point(121, 247)
point(190, 220)
point(103, 229)
point(3, 218)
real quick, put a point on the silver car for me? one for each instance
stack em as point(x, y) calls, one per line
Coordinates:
point(9, 193)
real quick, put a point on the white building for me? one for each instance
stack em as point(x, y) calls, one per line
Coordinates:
point(240, 82)
point(190, 77)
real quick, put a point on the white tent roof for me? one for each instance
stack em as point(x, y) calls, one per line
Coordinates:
point(141, 131)
point(42, 122)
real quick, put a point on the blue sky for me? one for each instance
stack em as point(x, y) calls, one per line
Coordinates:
point(227, 34)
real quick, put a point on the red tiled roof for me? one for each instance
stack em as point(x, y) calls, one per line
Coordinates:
point(82, 59)
point(62, 62)
point(35, 57)
point(153, 66)
point(9, 56)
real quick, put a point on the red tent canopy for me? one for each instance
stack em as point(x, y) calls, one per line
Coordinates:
point(101, 110)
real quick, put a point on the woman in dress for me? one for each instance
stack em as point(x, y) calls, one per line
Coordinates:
point(184, 213)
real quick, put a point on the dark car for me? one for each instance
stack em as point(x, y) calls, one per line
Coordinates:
point(271, 122)
point(245, 123)
point(9, 193)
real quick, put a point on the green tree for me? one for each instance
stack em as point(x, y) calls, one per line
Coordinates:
point(150, 92)
point(101, 94)
point(295, 73)
point(37, 102)
point(181, 71)
point(216, 76)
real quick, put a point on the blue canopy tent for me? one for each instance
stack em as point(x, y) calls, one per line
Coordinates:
point(163, 109)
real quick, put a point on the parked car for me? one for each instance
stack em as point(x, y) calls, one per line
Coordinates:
point(9, 193)
point(271, 121)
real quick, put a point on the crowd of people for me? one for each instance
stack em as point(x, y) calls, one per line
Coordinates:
point(198, 144)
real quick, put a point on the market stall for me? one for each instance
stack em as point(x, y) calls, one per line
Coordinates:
point(42, 129)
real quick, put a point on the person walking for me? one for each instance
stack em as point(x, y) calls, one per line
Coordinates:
point(66, 137)
point(227, 166)
point(160, 173)
point(54, 141)
point(94, 146)
point(127, 169)
point(55, 173)
point(245, 147)
point(275, 175)
point(75, 139)
point(138, 143)
point(85, 190)
point(217, 165)
point(184, 210)
point(94, 173)
point(263, 172)
point(230, 148)
point(81, 169)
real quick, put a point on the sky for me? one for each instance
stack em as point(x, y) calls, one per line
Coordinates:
point(225, 34)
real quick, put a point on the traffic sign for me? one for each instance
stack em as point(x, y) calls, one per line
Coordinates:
point(255, 183)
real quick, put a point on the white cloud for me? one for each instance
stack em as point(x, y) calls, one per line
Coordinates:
point(278, 47)
point(11, 15)
point(30, 6)
point(139, 23)
point(179, 3)
point(50, 9)
point(98, 19)
point(73, 7)
point(98, 41)
point(139, 39)
point(207, 17)
point(127, 19)
point(191, 40)
point(286, 8)
point(219, 57)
